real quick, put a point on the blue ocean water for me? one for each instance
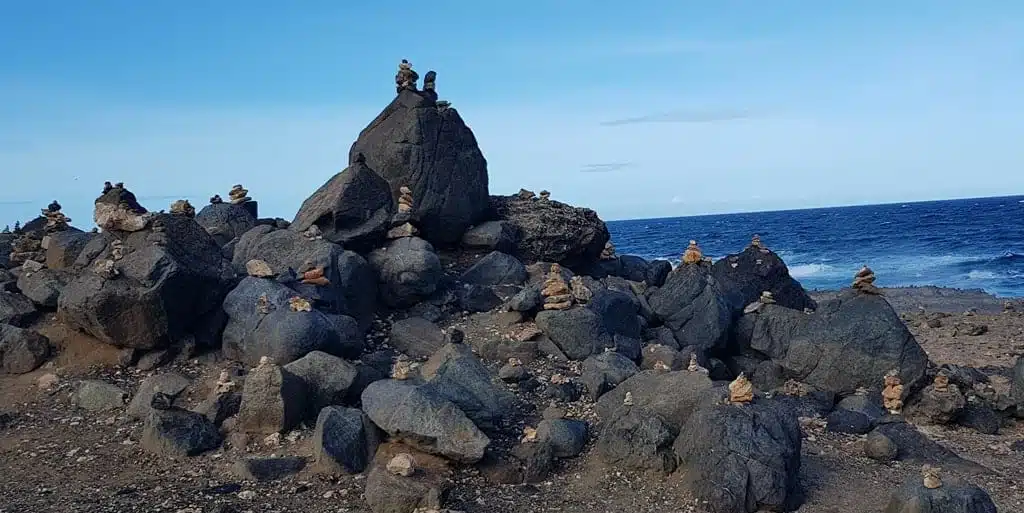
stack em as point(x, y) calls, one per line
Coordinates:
point(971, 243)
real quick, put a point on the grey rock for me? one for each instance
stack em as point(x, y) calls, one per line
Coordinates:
point(673, 396)
point(605, 371)
point(744, 276)
point(760, 469)
point(462, 379)
point(94, 395)
point(220, 407)
point(64, 248)
point(693, 307)
point(494, 235)
point(16, 309)
point(880, 448)
point(526, 300)
point(940, 407)
point(536, 460)
point(353, 208)
point(566, 437)
point(170, 383)
point(416, 337)
point(477, 298)
point(273, 401)
point(917, 448)
point(578, 332)
point(270, 468)
point(388, 493)
point(655, 355)
point(328, 379)
point(850, 422)
point(979, 418)
point(154, 359)
point(22, 350)
point(636, 438)
point(424, 420)
point(552, 231)
point(953, 497)
point(344, 441)
point(43, 287)
point(178, 433)
point(870, 405)
point(618, 312)
point(408, 270)
point(496, 268)
point(225, 221)
point(512, 373)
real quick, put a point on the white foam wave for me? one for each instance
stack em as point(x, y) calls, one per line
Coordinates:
point(808, 270)
point(982, 275)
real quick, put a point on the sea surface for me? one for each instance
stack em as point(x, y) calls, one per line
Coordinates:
point(969, 244)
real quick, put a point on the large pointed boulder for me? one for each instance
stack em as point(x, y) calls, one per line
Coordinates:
point(428, 148)
point(353, 208)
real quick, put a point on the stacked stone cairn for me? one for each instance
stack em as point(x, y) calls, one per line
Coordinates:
point(693, 254)
point(182, 207)
point(556, 293)
point(608, 253)
point(892, 393)
point(864, 281)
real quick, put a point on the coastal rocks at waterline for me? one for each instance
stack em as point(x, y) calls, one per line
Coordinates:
point(420, 418)
point(743, 277)
point(551, 231)
point(354, 208)
point(414, 143)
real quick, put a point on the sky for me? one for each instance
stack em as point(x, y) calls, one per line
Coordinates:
point(636, 109)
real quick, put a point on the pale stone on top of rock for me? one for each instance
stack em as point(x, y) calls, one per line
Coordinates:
point(741, 390)
point(864, 281)
point(405, 200)
point(315, 277)
point(694, 366)
point(182, 207)
point(403, 464)
point(239, 195)
point(766, 298)
point(608, 253)
point(300, 304)
point(892, 394)
point(556, 293)
point(693, 254)
point(259, 269)
point(932, 477)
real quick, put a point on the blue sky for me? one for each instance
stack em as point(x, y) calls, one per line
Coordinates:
point(637, 109)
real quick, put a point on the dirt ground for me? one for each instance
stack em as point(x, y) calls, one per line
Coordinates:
point(54, 457)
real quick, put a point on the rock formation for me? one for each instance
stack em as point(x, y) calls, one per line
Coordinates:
point(404, 200)
point(932, 477)
point(580, 292)
point(182, 207)
point(239, 194)
point(556, 293)
point(766, 298)
point(741, 390)
point(693, 254)
point(55, 220)
point(892, 394)
point(406, 78)
point(216, 199)
point(693, 366)
point(755, 242)
point(545, 196)
point(403, 464)
point(551, 231)
point(430, 83)
point(608, 253)
point(118, 210)
point(864, 281)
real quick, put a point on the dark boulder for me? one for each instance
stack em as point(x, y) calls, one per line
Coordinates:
point(22, 350)
point(744, 276)
point(526, 300)
point(344, 441)
point(328, 379)
point(847, 343)
point(636, 438)
point(915, 447)
point(952, 497)
point(225, 221)
point(579, 331)
point(169, 279)
point(605, 371)
point(496, 268)
point(178, 433)
point(423, 419)
point(262, 323)
point(6, 241)
point(266, 469)
point(1016, 378)
point(693, 307)
point(849, 422)
point(408, 270)
point(880, 448)
point(493, 235)
point(16, 309)
point(43, 287)
point(353, 208)
point(618, 312)
point(63, 248)
point(461, 378)
point(566, 437)
point(416, 337)
point(414, 143)
point(477, 298)
point(552, 231)
point(673, 396)
point(741, 459)
point(979, 418)
point(424, 490)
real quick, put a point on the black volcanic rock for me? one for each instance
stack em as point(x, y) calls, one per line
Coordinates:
point(353, 208)
point(744, 276)
point(416, 144)
point(552, 231)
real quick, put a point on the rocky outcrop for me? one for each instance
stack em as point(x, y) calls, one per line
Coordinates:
point(743, 277)
point(415, 143)
point(146, 288)
point(353, 208)
point(693, 306)
point(408, 270)
point(551, 231)
point(225, 221)
point(848, 343)
point(492, 235)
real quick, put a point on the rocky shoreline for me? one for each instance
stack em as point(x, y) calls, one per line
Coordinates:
point(410, 343)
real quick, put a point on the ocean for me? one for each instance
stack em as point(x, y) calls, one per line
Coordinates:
point(969, 243)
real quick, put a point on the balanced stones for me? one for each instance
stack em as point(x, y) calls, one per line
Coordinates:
point(545, 195)
point(239, 194)
point(216, 199)
point(300, 304)
point(741, 390)
point(608, 253)
point(524, 194)
point(55, 220)
point(556, 293)
point(406, 78)
point(864, 281)
point(941, 382)
point(892, 394)
point(694, 366)
point(107, 187)
point(932, 477)
point(766, 298)
point(405, 200)
point(693, 254)
point(755, 242)
point(316, 277)
point(430, 81)
point(182, 207)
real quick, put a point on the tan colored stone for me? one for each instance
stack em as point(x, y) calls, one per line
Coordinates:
point(263, 305)
point(300, 304)
point(766, 298)
point(892, 394)
point(608, 253)
point(316, 277)
point(580, 292)
point(693, 366)
point(183, 208)
point(693, 254)
point(403, 464)
point(932, 476)
point(259, 269)
point(741, 390)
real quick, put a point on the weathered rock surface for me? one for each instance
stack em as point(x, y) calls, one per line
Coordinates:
point(693, 306)
point(169, 383)
point(416, 337)
point(462, 379)
point(16, 309)
point(636, 438)
point(273, 401)
point(424, 420)
point(225, 221)
point(605, 371)
point(744, 276)
point(493, 235)
point(742, 459)
point(328, 379)
point(95, 395)
point(914, 497)
point(64, 247)
point(344, 441)
point(22, 350)
point(43, 287)
point(551, 231)
point(178, 433)
point(353, 208)
point(408, 270)
point(848, 343)
point(413, 143)
point(672, 396)
point(496, 268)
point(424, 490)
point(579, 332)
point(566, 437)
point(268, 468)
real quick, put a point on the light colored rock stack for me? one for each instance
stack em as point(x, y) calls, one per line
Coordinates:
point(239, 195)
point(892, 394)
point(315, 277)
point(693, 254)
point(741, 390)
point(766, 298)
point(406, 78)
point(932, 477)
point(56, 221)
point(259, 269)
point(608, 253)
point(216, 199)
point(545, 195)
point(300, 304)
point(755, 242)
point(580, 292)
point(182, 207)
point(864, 281)
point(405, 200)
point(556, 293)
point(694, 366)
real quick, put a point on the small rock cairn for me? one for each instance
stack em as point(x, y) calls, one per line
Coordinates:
point(693, 254)
point(755, 242)
point(406, 78)
point(405, 200)
point(932, 477)
point(694, 366)
point(239, 195)
point(556, 293)
point(182, 207)
point(316, 277)
point(608, 253)
point(580, 292)
point(892, 393)
point(216, 199)
point(300, 304)
point(545, 195)
point(56, 221)
point(741, 390)
point(864, 281)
